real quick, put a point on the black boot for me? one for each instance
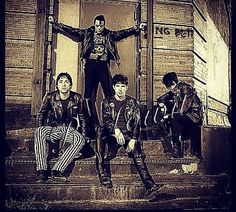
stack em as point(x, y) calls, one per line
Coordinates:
point(177, 151)
point(167, 146)
point(151, 187)
point(196, 142)
point(42, 176)
point(104, 172)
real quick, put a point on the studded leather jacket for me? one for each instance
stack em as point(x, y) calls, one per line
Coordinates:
point(85, 36)
point(51, 111)
point(131, 114)
point(184, 100)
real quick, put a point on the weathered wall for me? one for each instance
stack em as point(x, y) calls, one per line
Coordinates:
point(192, 40)
point(218, 13)
point(218, 85)
point(67, 50)
point(190, 37)
point(216, 150)
point(19, 38)
point(178, 42)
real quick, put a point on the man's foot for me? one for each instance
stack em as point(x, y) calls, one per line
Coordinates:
point(106, 181)
point(42, 176)
point(176, 155)
point(197, 155)
point(152, 192)
point(168, 153)
point(59, 176)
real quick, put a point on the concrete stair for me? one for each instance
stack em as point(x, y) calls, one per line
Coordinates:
point(84, 192)
point(185, 186)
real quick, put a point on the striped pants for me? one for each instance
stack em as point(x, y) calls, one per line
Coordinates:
point(54, 134)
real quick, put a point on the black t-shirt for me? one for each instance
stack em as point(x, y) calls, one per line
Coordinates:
point(121, 123)
point(64, 107)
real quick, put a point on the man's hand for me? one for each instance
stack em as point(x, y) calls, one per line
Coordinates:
point(143, 26)
point(51, 19)
point(119, 136)
point(131, 145)
point(87, 140)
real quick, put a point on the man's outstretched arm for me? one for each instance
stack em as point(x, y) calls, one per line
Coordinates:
point(125, 33)
point(67, 30)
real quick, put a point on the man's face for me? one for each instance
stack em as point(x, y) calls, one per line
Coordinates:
point(99, 26)
point(120, 89)
point(63, 85)
point(172, 86)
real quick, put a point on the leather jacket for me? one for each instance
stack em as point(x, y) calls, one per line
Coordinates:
point(132, 116)
point(85, 36)
point(50, 112)
point(184, 100)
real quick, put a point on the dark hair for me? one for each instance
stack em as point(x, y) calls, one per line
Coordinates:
point(99, 18)
point(169, 78)
point(64, 74)
point(120, 78)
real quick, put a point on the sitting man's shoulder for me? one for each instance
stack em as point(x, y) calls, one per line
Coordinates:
point(76, 94)
point(185, 84)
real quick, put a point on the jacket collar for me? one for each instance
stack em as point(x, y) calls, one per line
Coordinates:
point(92, 30)
point(71, 103)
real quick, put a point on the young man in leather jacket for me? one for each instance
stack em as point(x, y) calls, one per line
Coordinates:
point(184, 113)
point(60, 119)
point(98, 48)
point(121, 127)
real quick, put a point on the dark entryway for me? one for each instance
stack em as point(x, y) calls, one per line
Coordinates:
point(118, 16)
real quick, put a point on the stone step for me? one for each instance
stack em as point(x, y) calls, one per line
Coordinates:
point(18, 116)
point(22, 140)
point(124, 187)
point(86, 189)
point(220, 203)
point(17, 164)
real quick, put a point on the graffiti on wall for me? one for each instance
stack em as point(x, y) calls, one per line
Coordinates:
point(177, 31)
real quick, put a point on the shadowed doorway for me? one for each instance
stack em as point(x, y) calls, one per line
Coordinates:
point(118, 16)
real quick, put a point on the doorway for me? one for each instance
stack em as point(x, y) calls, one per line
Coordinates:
point(118, 16)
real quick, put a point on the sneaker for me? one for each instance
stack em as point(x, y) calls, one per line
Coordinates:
point(151, 192)
point(106, 181)
point(42, 176)
point(58, 176)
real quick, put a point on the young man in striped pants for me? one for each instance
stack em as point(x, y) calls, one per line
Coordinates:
point(60, 119)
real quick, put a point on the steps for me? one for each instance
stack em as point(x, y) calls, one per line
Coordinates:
point(16, 164)
point(85, 192)
point(184, 184)
point(178, 204)
point(22, 140)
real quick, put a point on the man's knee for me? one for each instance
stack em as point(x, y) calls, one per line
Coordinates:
point(79, 139)
point(40, 131)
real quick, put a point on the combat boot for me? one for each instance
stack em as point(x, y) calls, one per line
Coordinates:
point(177, 150)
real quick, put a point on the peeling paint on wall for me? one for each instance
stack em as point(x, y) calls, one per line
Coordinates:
point(218, 76)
